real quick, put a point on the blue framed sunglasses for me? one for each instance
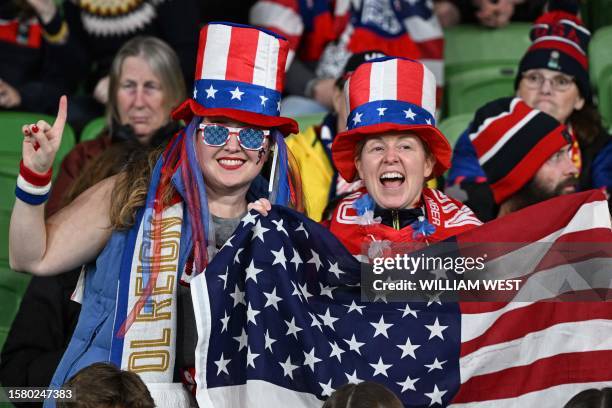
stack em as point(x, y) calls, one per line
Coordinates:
point(217, 135)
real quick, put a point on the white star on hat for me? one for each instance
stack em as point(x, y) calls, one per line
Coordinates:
point(381, 111)
point(357, 118)
point(237, 94)
point(263, 100)
point(210, 92)
point(410, 114)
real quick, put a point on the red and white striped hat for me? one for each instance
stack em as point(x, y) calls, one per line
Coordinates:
point(390, 95)
point(239, 75)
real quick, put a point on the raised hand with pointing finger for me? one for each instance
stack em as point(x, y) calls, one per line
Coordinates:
point(41, 140)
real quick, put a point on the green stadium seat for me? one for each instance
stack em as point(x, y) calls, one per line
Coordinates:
point(12, 287)
point(604, 92)
point(309, 120)
point(467, 91)
point(10, 150)
point(452, 127)
point(600, 57)
point(92, 129)
point(468, 47)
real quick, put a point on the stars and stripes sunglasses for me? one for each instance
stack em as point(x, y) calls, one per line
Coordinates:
point(217, 135)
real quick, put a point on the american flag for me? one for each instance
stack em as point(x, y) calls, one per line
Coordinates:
point(281, 323)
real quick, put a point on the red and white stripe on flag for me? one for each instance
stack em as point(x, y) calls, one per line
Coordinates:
point(538, 353)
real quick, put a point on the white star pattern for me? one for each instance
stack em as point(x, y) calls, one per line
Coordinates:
point(310, 359)
point(210, 92)
point(296, 259)
point(292, 328)
point(263, 100)
point(328, 319)
point(326, 290)
point(258, 231)
point(269, 342)
point(381, 327)
point(357, 118)
point(237, 256)
point(224, 322)
point(333, 268)
point(408, 349)
point(288, 367)
point(252, 272)
point(236, 94)
point(224, 277)
point(435, 396)
point(409, 114)
point(238, 296)
point(222, 365)
point(436, 365)
point(249, 218)
point(280, 227)
point(380, 368)
point(436, 330)
point(381, 111)
point(279, 258)
point(407, 311)
point(296, 292)
point(428, 121)
point(195, 93)
point(251, 357)
point(434, 298)
point(352, 378)
point(315, 322)
point(301, 228)
point(354, 345)
point(354, 307)
point(408, 384)
point(327, 388)
point(272, 299)
point(336, 351)
point(315, 260)
point(252, 314)
point(304, 290)
point(278, 106)
point(243, 340)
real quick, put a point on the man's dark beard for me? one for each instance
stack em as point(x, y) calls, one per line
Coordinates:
point(534, 192)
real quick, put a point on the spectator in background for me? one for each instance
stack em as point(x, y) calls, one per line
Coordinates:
point(591, 398)
point(94, 32)
point(32, 75)
point(489, 13)
point(323, 37)
point(552, 77)
point(366, 394)
point(525, 154)
point(146, 83)
point(102, 385)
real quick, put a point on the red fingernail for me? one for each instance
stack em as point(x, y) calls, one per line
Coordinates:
point(34, 128)
point(27, 131)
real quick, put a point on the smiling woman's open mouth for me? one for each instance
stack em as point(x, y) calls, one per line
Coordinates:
point(392, 179)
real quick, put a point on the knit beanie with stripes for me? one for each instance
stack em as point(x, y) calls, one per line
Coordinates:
point(512, 141)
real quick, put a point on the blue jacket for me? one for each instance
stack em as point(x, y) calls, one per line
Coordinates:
point(93, 335)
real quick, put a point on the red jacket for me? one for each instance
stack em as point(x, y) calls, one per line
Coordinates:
point(448, 216)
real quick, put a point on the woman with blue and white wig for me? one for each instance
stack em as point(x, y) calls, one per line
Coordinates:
point(144, 233)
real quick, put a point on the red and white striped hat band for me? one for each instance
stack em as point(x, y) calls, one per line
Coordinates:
point(240, 67)
point(391, 90)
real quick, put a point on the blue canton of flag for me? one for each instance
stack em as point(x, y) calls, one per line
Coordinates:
point(282, 324)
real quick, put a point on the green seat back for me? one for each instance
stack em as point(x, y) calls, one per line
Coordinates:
point(468, 47)
point(600, 54)
point(452, 127)
point(12, 288)
point(93, 129)
point(604, 91)
point(11, 146)
point(468, 91)
point(309, 120)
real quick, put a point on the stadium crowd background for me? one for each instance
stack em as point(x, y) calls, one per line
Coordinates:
point(49, 49)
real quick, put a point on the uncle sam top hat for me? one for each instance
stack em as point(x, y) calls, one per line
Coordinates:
point(390, 95)
point(239, 75)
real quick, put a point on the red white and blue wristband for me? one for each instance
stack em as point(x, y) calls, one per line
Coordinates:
point(33, 188)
